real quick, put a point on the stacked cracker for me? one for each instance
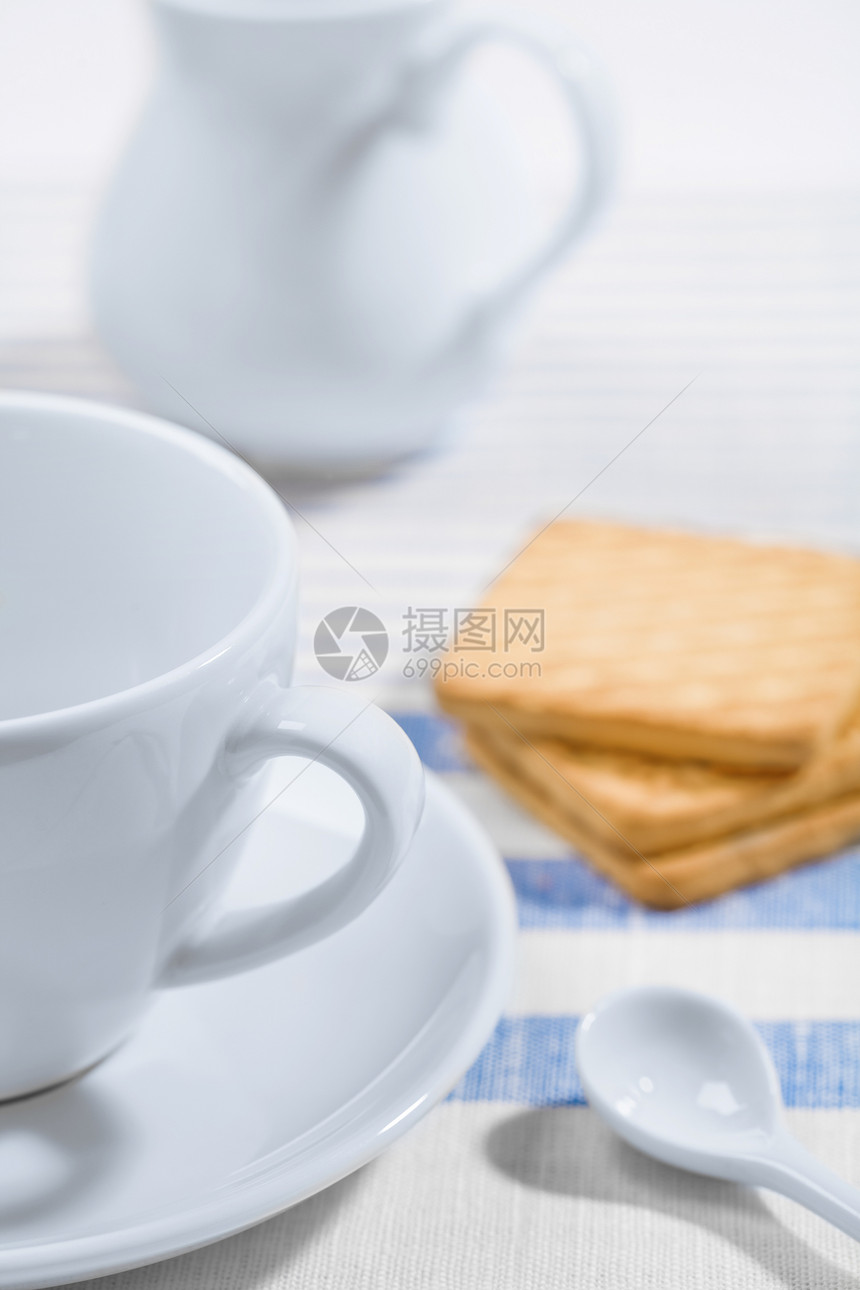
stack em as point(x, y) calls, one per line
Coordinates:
point(692, 727)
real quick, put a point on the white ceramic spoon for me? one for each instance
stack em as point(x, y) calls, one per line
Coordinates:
point(687, 1079)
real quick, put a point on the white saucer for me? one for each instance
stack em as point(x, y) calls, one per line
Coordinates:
point(237, 1099)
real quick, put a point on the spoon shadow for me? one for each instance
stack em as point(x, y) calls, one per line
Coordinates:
point(570, 1152)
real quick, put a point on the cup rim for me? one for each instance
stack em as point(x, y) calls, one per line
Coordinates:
point(220, 654)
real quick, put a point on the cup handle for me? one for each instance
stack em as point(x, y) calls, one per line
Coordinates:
point(428, 78)
point(378, 761)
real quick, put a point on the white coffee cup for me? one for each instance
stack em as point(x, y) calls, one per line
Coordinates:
point(147, 622)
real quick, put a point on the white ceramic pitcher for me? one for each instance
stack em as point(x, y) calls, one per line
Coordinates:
point(304, 251)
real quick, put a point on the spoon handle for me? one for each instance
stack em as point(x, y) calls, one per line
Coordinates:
point(796, 1173)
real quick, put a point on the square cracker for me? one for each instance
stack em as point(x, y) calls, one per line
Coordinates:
point(672, 644)
point(670, 879)
point(660, 805)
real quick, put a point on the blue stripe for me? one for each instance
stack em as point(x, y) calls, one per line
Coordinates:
point(569, 894)
point(436, 739)
point(529, 1060)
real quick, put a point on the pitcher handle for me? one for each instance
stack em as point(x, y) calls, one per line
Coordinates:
point(431, 74)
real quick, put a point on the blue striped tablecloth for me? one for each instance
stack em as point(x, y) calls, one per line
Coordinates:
point(513, 1183)
point(530, 1058)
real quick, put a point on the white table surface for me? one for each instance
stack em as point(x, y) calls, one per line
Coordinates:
point(732, 256)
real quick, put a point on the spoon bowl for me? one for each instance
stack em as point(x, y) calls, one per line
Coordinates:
point(687, 1079)
point(680, 1076)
